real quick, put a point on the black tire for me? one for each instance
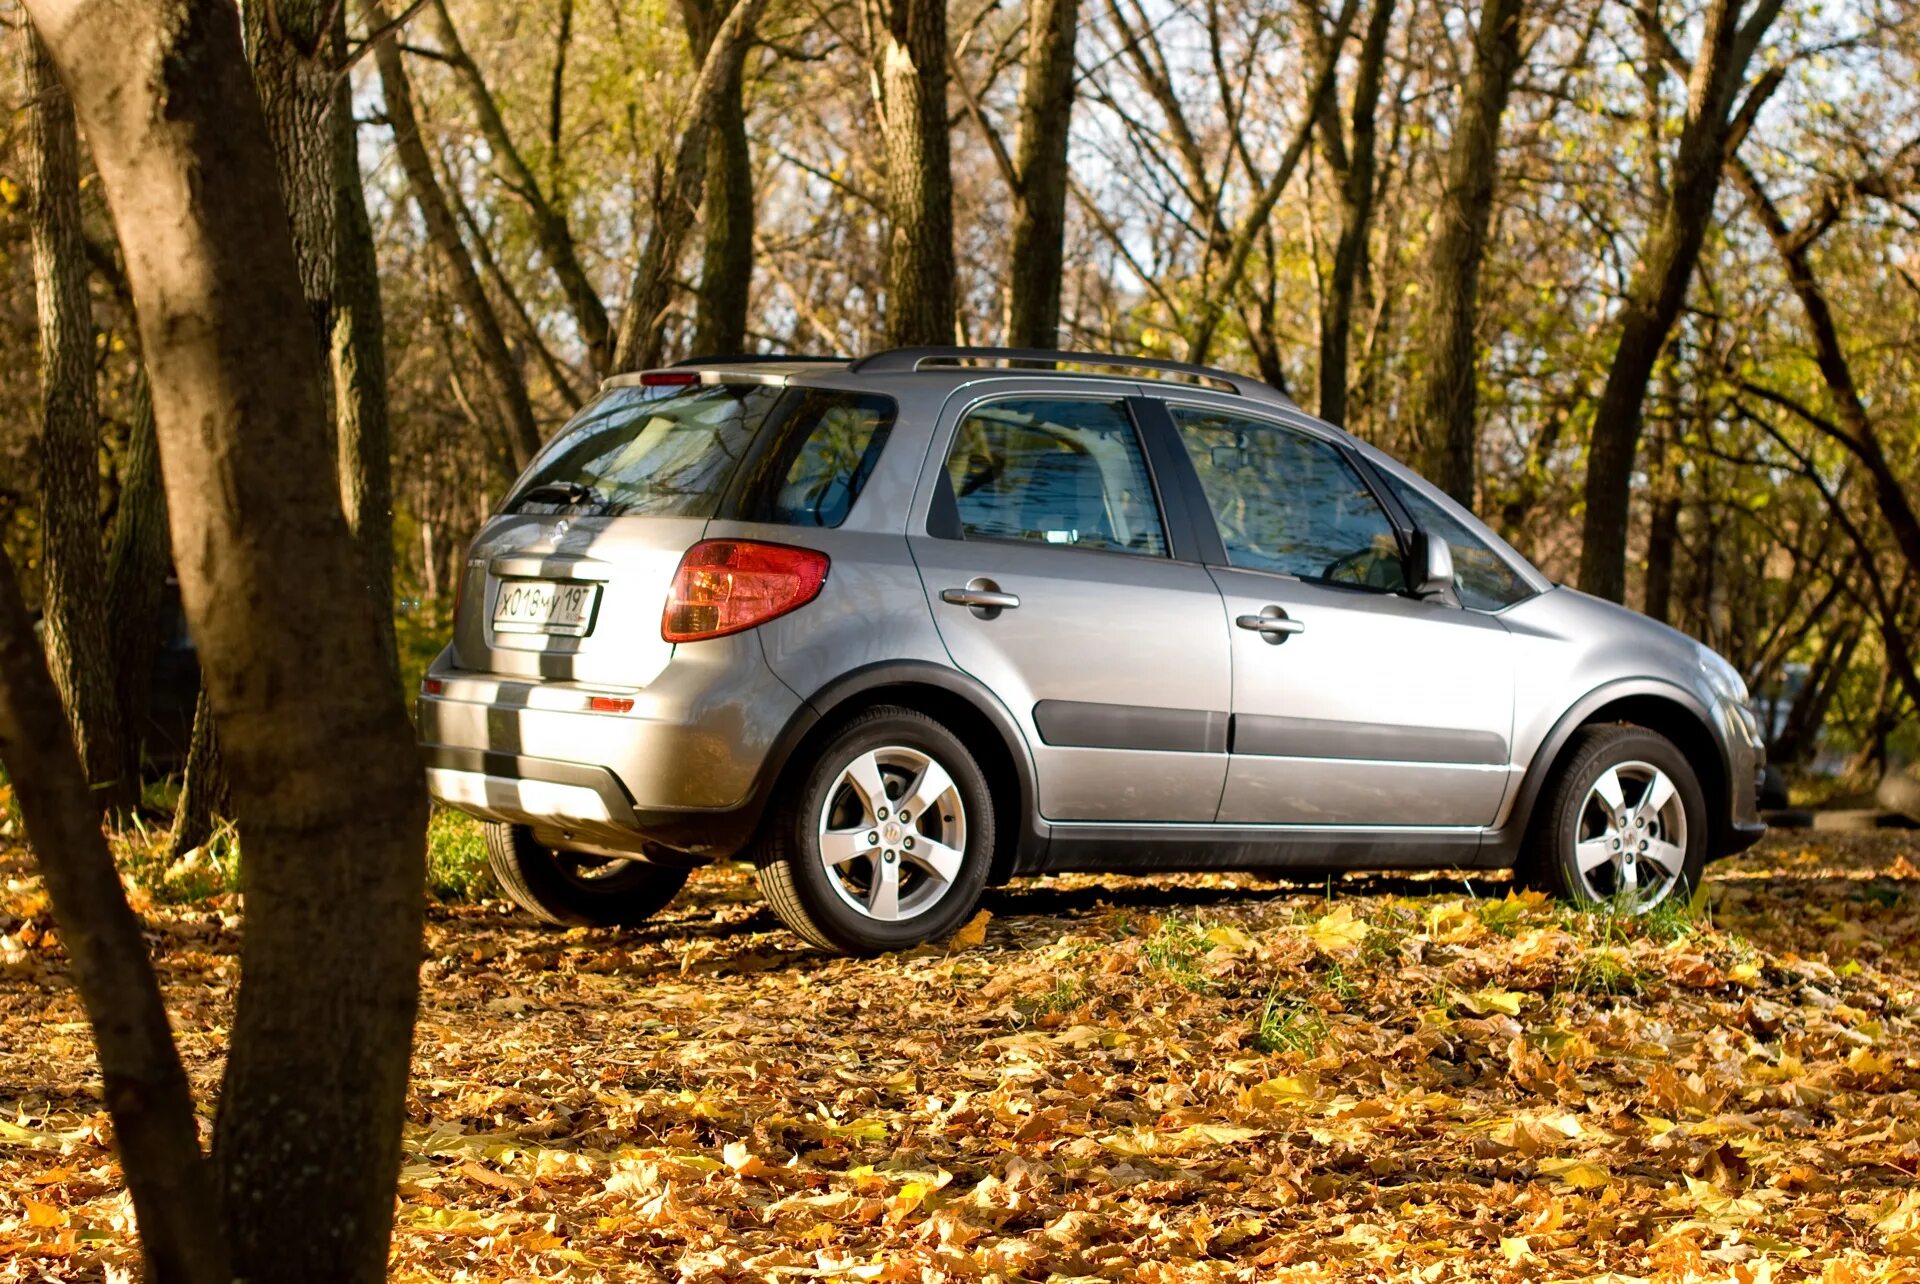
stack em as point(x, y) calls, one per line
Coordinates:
point(797, 884)
point(577, 891)
point(1549, 861)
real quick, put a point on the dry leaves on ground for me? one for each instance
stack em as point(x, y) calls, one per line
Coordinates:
point(1196, 1078)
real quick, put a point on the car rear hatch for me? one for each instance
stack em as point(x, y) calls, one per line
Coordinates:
point(568, 580)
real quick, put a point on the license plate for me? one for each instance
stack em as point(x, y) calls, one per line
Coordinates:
point(544, 606)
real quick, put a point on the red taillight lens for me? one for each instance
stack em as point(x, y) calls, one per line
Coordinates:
point(726, 585)
point(432, 686)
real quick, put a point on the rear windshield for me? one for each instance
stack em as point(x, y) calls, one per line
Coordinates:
point(795, 457)
point(632, 452)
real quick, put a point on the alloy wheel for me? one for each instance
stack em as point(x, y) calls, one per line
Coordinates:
point(892, 833)
point(1630, 837)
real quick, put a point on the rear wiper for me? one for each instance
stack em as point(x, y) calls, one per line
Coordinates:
point(570, 493)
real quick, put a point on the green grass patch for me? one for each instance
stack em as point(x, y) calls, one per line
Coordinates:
point(1175, 950)
point(1296, 1027)
point(457, 858)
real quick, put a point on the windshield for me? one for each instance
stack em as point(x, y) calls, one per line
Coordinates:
point(632, 452)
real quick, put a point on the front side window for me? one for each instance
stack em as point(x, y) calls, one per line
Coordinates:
point(1290, 502)
point(1482, 579)
point(1056, 472)
point(631, 452)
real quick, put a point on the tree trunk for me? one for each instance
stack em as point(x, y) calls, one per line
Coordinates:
point(359, 362)
point(325, 777)
point(1448, 394)
point(1354, 165)
point(290, 47)
point(1037, 253)
point(1663, 539)
point(205, 795)
point(146, 1090)
point(726, 265)
point(550, 226)
point(678, 189)
point(73, 570)
point(1659, 286)
point(908, 44)
point(521, 433)
point(137, 565)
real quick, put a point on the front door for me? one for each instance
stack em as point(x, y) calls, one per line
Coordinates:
point(1354, 704)
point(1049, 565)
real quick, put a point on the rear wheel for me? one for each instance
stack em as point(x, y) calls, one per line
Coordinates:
point(574, 889)
point(884, 842)
point(1624, 823)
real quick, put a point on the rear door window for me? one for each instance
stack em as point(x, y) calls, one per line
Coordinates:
point(821, 446)
point(1061, 472)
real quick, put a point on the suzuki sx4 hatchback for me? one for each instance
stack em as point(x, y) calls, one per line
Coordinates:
point(901, 628)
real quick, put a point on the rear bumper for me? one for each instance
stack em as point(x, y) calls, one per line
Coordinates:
point(684, 768)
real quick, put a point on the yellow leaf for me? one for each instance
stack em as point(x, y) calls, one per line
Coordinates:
point(1486, 1002)
point(972, 934)
point(1230, 939)
point(1287, 1090)
point(1515, 1248)
point(742, 1160)
point(44, 1215)
point(1339, 931)
point(1743, 974)
point(1581, 1174)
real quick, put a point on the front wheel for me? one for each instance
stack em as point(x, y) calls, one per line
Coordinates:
point(884, 840)
point(576, 890)
point(1624, 823)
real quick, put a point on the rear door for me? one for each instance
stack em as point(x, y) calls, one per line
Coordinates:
point(1059, 578)
point(1354, 704)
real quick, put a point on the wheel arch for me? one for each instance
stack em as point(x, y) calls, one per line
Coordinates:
point(1661, 707)
point(965, 707)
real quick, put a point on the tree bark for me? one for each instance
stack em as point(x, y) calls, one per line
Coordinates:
point(551, 229)
point(907, 40)
point(1659, 286)
point(1448, 394)
point(726, 264)
point(520, 433)
point(73, 569)
point(1037, 252)
point(137, 565)
point(678, 189)
point(359, 362)
point(146, 1089)
point(205, 795)
point(1354, 164)
point(325, 777)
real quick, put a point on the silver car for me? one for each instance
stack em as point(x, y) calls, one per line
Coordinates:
point(901, 628)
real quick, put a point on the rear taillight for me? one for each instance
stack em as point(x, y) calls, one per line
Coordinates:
point(725, 585)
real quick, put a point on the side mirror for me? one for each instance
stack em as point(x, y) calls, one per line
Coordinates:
point(1432, 566)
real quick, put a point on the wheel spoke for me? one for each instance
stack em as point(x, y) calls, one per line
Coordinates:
point(838, 846)
point(863, 773)
point(1659, 792)
point(1608, 787)
point(926, 791)
point(938, 859)
point(1668, 858)
point(1594, 852)
point(1629, 890)
point(883, 900)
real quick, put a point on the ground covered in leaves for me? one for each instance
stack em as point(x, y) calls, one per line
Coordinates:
point(1201, 1078)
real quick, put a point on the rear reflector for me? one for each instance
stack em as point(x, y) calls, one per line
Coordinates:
point(610, 704)
point(726, 585)
point(433, 686)
point(669, 378)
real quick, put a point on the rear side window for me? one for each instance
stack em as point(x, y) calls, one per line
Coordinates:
point(1055, 472)
point(1482, 579)
point(1290, 502)
point(821, 446)
point(631, 452)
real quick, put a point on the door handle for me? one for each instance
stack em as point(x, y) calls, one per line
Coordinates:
point(981, 596)
point(1272, 624)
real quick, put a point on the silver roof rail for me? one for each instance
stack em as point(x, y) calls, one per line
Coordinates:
point(906, 360)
